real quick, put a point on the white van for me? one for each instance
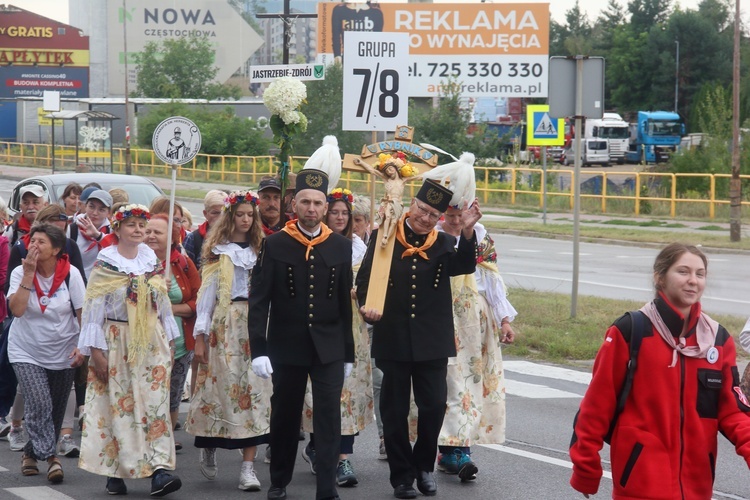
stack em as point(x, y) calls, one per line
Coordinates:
point(595, 152)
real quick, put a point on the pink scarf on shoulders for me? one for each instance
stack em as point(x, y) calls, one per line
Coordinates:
point(705, 331)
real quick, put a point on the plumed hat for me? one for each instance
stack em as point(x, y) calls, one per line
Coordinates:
point(458, 177)
point(435, 195)
point(328, 159)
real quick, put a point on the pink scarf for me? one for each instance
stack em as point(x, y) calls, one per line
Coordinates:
point(705, 332)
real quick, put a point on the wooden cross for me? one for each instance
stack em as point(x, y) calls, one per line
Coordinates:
point(383, 253)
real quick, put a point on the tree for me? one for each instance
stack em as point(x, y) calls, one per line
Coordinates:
point(180, 68)
point(644, 14)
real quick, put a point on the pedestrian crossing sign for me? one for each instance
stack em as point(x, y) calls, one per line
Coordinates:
point(541, 129)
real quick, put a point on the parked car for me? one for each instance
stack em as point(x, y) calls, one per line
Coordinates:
point(140, 190)
point(595, 152)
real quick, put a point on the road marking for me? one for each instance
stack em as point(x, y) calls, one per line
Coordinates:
point(537, 457)
point(638, 257)
point(3, 469)
point(609, 285)
point(524, 250)
point(556, 372)
point(38, 493)
point(571, 253)
point(535, 391)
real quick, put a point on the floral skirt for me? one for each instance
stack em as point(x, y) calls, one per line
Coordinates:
point(357, 406)
point(475, 411)
point(127, 431)
point(230, 401)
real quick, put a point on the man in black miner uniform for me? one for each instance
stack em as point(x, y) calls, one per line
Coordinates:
point(413, 337)
point(304, 275)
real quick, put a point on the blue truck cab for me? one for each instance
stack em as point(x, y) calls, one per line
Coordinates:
point(655, 136)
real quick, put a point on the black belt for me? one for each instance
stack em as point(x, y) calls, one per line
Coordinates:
point(239, 299)
point(117, 320)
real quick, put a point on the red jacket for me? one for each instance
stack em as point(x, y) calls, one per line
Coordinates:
point(664, 442)
point(189, 280)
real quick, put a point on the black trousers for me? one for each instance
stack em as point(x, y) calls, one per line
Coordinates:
point(428, 380)
point(289, 382)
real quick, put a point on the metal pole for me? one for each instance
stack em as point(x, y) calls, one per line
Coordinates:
point(677, 74)
point(735, 186)
point(544, 184)
point(170, 223)
point(128, 166)
point(287, 33)
point(577, 188)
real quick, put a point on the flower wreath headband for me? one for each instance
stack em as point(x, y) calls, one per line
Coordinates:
point(132, 210)
point(340, 194)
point(237, 197)
point(398, 160)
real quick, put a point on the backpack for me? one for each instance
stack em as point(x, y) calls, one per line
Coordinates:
point(636, 336)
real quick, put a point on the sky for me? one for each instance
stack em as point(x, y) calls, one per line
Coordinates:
point(58, 9)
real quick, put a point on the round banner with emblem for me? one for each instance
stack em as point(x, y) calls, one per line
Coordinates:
point(176, 140)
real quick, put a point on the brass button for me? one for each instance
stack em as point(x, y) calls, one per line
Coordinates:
point(312, 286)
point(413, 287)
point(312, 277)
point(311, 296)
point(414, 260)
point(312, 267)
point(310, 316)
point(413, 268)
point(413, 276)
point(309, 325)
point(413, 316)
point(413, 296)
point(413, 306)
point(312, 257)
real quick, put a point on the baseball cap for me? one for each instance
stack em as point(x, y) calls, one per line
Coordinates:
point(34, 189)
point(86, 192)
point(101, 195)
point(269, 183)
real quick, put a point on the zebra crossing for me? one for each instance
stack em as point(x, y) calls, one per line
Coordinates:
point(528, 380)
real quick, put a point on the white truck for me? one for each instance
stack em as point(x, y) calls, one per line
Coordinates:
point(612, 128)
point(595, 152)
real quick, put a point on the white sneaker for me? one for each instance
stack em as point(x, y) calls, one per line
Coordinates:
point(248, 479)
point(17, 437)
point(209, 467)
point(4, 428)
point(67, 447)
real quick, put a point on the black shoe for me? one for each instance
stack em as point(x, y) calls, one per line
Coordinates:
point(116, 486)
point(426, 483)
point(276, 492)
point(163, 483)
point(404, 491)
point(301, 435)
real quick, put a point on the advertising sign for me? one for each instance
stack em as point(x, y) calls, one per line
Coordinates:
point(485, 49)
point(375, 77)
point(31, 81)
point(38, 54)
point(148, 21)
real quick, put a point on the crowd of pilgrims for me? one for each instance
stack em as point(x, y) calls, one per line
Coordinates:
point(94, 337)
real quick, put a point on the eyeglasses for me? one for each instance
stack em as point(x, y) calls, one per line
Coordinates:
point(336, 213)
point(434, 217)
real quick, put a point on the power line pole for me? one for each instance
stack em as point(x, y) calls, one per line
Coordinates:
point(287, 18)
point(128, 164)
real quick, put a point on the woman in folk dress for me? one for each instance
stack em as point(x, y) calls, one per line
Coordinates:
point(129, 331)
point(231, 406)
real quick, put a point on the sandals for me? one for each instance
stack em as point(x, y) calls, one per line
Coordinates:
point(29, 466)
point(55, 472)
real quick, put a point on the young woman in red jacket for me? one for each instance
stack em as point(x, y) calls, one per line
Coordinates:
point(685, 390)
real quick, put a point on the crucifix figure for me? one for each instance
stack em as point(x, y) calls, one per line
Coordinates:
point(287, 18)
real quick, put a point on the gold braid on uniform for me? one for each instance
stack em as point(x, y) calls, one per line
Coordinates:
point(144, 291)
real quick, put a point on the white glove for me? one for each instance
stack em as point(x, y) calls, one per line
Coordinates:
point(262, 367)
point(348, 369)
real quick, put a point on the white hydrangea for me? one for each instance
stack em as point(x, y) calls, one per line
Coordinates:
point(285, 95)
point(290, 117)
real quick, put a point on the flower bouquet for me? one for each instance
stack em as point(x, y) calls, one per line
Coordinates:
point(283, 98)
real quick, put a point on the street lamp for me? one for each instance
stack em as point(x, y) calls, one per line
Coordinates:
point(676, 73)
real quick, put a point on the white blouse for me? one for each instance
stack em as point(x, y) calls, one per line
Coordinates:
point(113, 305)
point(243, 260)
point(359, 249)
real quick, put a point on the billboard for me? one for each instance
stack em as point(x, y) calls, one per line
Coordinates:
point(38, 54)
point(146, 21)
point(486, 49)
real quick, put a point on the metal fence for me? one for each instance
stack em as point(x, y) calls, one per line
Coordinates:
point(606, 191)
